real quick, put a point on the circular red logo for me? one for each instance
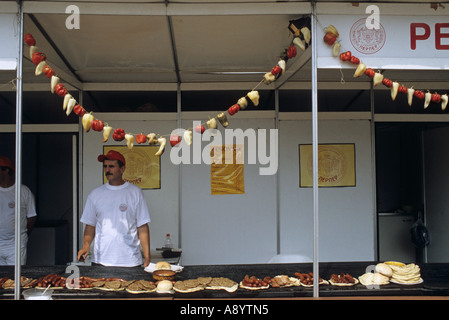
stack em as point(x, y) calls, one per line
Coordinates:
point(367, 41)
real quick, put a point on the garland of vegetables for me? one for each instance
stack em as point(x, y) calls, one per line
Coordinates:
point(300, 29)
point(330, 37)
point(301, 40)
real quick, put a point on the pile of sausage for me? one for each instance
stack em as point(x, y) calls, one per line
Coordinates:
point(255, 282)
point(342, 278)
point(52, 280)
point(306, 278)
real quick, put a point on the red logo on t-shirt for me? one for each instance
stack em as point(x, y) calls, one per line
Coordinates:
point(123, 207)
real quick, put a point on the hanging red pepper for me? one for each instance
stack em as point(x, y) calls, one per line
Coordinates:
point(370, 72)
point(174, 140)
point(38, 57)
point(402, 89)
point(49, 72)
point(118, 134)
point(276, 70)
point(200, 128)
point(60, 90)
point(330, 38)
point(291, 52)
point(79, 110)
point(29, 40)
point(435, 97)
point(141, 138)
point(387, 82)
point(233, 109)
point(419, 94)
point(354, 60)
point(345, 56)
point(97, 125)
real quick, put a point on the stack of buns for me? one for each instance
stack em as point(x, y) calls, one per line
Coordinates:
point(381, 276)
point(163, 271)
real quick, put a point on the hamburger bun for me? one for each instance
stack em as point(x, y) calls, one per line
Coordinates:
point(164, 274)
point(384, 269)
point(164, 286)
point(162, 265)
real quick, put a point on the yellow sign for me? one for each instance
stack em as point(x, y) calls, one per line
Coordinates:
point(143, 168)
point(226, 170)
point(336, 165)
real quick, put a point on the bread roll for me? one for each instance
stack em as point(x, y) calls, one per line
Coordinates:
point(164, 286)
point(162, 265)
point(384, 269)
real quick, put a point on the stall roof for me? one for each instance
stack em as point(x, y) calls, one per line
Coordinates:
point(160, 45)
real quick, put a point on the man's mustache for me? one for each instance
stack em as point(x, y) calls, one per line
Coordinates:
point(109, 174)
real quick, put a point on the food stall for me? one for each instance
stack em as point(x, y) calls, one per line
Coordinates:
point(277, 215)
point(228, 282)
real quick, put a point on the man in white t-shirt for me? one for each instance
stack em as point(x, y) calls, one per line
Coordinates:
point(116, 216)
point(8, 214)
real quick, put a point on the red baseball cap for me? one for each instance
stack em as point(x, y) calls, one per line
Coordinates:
point(112, 155)
point(6, 162)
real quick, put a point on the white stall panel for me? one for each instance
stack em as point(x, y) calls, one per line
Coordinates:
point(346, 215)
point(9, 32)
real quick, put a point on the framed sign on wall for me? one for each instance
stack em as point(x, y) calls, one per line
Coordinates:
point(336, 165)
point(143, 168)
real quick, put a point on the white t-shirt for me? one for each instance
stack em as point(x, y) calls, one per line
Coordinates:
point(8, 214)
point(116, 212)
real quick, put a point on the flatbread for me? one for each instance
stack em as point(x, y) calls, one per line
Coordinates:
point(204, 280)
point(114, 285)
point(253, 288)
point(370, 279)
point(406, 274)
point(343, 284)
point(188, 286)
point(220, 283)
point(139, 286)
point(285, 281)
point(311, 285)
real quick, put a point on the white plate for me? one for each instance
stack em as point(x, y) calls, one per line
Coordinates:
point(151, 268)
point(408, 284)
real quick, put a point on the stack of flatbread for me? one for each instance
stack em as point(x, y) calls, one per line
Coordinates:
point(221, 283)
point(201, 283)
point(406, 274)
point(373, 279)
point(191, 285)
point(140, 286)
point(381, 276)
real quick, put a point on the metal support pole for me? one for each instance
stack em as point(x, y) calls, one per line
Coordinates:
point(179, 122)
point(278, 218)
point(18, 164)
point(315, 154)
point(373, 166)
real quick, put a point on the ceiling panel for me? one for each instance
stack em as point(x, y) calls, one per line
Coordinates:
point(230, 43)
point(113, 48)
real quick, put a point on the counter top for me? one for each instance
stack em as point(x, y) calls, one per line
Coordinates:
point(435, 276)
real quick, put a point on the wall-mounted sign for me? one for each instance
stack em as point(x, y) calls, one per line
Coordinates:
point(226, 169)
point(336, 165)
point(143, 168)
point(397, 42)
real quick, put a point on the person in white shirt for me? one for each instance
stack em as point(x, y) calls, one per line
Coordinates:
point(116, 219)
point(8, 214)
